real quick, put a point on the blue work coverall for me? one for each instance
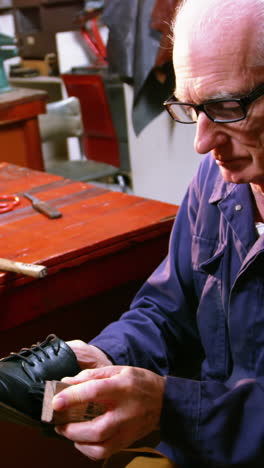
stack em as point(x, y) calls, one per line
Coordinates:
point(199, 320)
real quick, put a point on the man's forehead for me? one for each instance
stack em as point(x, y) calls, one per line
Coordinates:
point(219, 43)
point(214, 67)
point(203, 32)
point(227, 84)
point(218, 19)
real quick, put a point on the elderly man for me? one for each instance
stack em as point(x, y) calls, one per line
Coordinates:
point(189, 355)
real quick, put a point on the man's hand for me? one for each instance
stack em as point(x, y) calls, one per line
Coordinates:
point(133, 401)
point(88, 356)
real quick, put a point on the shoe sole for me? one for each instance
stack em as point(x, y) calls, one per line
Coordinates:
point(9, 414)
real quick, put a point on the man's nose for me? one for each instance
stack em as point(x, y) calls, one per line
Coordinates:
point(208, 135)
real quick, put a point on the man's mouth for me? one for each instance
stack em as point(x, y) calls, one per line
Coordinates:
point(225, 162)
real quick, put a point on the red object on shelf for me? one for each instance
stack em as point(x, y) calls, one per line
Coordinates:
point(100, 139)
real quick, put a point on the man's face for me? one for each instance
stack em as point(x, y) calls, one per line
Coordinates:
point(220, 70)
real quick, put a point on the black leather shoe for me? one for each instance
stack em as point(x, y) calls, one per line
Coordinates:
point(23, 375)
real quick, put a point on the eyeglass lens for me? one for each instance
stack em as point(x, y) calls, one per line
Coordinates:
point(225, 110)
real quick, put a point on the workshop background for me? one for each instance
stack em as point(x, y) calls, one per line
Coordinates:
point(115, 57)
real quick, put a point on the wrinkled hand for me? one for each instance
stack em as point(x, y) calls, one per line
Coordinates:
point(133, 401)
point(88, 356)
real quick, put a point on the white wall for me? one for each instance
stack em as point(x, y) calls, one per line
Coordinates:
point(163, 160)
point(7, 25)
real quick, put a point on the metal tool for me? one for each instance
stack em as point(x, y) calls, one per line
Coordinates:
point(8, 202)
point(43, 207)
point(28, 269)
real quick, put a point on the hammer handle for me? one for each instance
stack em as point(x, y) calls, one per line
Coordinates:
point(28, 269)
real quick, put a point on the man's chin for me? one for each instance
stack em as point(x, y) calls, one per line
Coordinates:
point(234, 177)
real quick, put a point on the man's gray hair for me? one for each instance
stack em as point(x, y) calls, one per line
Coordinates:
point(205, 14)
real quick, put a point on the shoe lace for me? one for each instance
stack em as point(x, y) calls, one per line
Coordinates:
point(36, 349)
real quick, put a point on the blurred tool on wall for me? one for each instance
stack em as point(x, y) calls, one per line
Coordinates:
point(139, 50)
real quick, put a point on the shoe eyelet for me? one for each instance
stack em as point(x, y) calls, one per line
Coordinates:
point(39, 380)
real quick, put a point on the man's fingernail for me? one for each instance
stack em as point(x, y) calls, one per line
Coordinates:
point(58, 403)
point(67, 379)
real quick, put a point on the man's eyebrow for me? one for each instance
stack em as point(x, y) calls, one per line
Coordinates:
point(220, 95)
point(225, 95)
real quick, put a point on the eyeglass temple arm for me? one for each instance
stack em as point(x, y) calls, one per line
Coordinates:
point(254, 95)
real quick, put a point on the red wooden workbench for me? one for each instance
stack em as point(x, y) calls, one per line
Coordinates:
point(97, 254)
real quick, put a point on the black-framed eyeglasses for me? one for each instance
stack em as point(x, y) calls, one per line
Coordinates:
point(218, 110)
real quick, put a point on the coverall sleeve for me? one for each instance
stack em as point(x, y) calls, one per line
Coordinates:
point(161, 321)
